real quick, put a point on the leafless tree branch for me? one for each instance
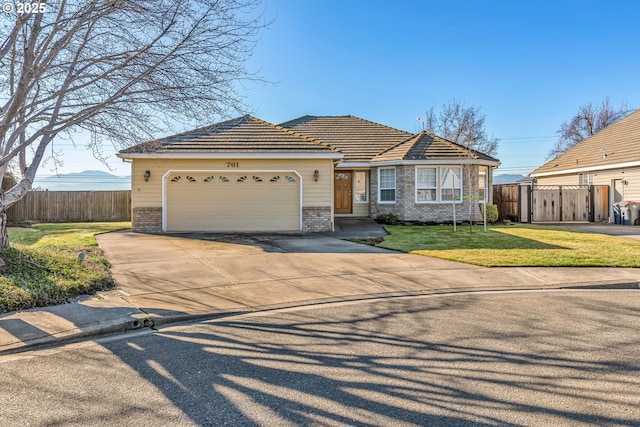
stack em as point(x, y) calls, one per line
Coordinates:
point(589, 120)
point(122, 70)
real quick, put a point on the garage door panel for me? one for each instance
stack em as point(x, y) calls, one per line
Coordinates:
point(246, 201)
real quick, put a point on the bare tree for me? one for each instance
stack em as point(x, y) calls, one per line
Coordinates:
point(123, 70)
point(464, 126)
point(589, 120)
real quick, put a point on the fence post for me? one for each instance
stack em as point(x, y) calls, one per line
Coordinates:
point(530, 191)
point(560, 202)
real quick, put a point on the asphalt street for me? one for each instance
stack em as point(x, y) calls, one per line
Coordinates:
point(497, 358)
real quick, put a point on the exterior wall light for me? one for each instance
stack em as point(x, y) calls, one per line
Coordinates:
point(316, 174)
point(147, 175)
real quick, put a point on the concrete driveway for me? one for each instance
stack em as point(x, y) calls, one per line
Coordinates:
point(626, 231)
point(189, 275)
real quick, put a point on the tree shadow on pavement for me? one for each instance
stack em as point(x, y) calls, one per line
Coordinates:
point(437, 361)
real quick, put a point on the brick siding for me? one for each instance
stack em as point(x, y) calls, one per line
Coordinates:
point(147, 220)
point(316, 219)
point(406, 207)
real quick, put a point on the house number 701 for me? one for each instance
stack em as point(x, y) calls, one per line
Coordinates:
point(233, 164)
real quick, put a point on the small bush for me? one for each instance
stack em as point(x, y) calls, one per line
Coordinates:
point(492, 213)
point(388, 219)
point(13, 297)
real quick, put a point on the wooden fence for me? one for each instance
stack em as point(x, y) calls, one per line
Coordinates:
point(506, 198)
point(72, 206)
point(552, 203)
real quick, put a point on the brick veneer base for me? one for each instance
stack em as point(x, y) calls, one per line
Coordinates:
point(316, 219)
point(149, 220)
point(146, 220)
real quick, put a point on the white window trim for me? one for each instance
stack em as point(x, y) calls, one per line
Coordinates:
point(486, 188)
point(438, 185)
point(415, 187)
point(395, 187)
point(366, 188)
point(581, 177)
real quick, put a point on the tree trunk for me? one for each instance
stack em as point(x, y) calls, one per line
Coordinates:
point(4, 237)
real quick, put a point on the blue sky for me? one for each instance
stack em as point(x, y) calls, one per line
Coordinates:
point(528, 65)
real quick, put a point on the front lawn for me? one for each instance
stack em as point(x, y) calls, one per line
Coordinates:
point(517, 245)
point(42, 266)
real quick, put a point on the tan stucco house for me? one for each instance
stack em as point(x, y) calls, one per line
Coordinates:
point(247, 174)
point(611, 158)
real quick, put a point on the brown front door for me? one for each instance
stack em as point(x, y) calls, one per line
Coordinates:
point(342, 198)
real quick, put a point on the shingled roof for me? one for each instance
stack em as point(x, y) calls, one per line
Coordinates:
point(360, 140)
point(243, 134)
point(616, 144)
point(426, 146)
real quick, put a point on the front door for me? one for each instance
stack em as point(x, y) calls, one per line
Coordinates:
point(342, 199)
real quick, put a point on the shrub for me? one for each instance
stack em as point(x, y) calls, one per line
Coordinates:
point(13, 297)
point(492, 213)
point(388, 219)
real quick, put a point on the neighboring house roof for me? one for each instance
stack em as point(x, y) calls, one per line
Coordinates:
point(617, 145)
point(243, 134)
point(360, 140)
point(426, 146)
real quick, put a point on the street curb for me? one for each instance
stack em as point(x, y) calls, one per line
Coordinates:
point(110, 328)
point(151, 321)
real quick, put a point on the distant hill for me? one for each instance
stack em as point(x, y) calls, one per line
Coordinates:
point(83, 181)
point(506, 178)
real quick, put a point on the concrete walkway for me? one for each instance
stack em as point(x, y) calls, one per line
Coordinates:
point(164, 279)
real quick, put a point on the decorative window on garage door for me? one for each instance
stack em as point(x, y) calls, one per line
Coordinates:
point(183, 179)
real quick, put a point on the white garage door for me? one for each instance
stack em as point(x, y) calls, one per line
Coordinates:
point(238, 201)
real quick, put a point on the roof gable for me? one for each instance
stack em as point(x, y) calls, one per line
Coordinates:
point(360, 140)
point(618, 143)
point(426, 146)
point(243, 134)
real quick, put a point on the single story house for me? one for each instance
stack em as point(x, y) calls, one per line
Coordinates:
point(247, 174)
point(611, 158)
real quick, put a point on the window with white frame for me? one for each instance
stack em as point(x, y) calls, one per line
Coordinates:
point(483, 183)
point(361, 187)
point(438, 184)
point(387, 185)
point(426, 184)
point(450, 183)
point(584, 179)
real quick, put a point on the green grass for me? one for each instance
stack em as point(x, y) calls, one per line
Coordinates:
point(515, 246)
point(42, 267)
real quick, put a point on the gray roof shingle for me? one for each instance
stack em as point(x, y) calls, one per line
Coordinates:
point(426, 146)
point(243, 134)
point(360, 140)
